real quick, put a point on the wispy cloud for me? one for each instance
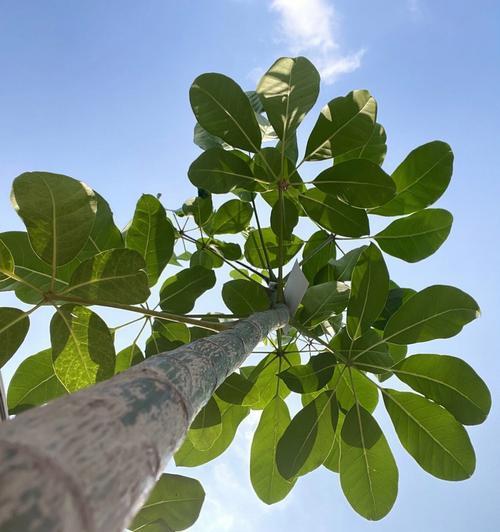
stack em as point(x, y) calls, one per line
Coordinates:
point(310, 27)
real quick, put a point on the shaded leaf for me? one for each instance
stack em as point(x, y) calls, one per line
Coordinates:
point(14, 326)
point(128, 357)
point(206, 426)
point(254, 248)
point(312, 376)
point(231, 217)
point(244, 297)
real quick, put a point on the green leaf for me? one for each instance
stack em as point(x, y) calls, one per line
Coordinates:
point(58, 212)
point(219, 171)
point(34, 383)
point(104, 235)
point(128, 357)
point(332, 461)
point(205, 259)
point(358, 182)
point(231, 218)
point(200, 208)
point(369, 289)
point(232, 416)
point(374, 149)
point(303, 446)
point(334, 215)
point(244, 297)
point(175, 503)
point(431, 435)
point(312, 376)
point(343, 267)
point(450, 382)
point(345, 123)
point(223, 109)
point(205, 140)
point(254, 249)
point(206, 426)
point(319, 249)
point(14, 326)
point(180, 292)
point(322, 301)
point(82, 347)
point(396, 297)
point(417, 236)
point(34, 274)
point(288, 91)
point(366, 352)
point(366, 391)
point(116, 276)
point(368, 471)
point(7, 266)
point(266, 480)
point(165, 336)
point(284, 218)
point(420, 179)
point(238, 390)
point(438, 311)
point(265, 376)
point(152, 235)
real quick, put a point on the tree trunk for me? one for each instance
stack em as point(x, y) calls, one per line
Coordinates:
point(86, 462)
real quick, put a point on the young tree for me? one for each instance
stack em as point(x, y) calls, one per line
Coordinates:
point(87, 460)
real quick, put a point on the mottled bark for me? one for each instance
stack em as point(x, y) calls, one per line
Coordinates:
point(86, 462)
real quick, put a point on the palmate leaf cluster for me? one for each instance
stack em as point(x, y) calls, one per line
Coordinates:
point(349, 335)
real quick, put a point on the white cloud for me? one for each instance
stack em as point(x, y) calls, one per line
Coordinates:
point(310, 27)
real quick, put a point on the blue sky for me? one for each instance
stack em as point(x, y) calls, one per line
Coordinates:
point(99, 91)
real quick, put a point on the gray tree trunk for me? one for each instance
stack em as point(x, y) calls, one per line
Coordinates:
point(86, 462)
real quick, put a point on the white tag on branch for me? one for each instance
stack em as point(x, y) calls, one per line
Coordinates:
point(295, 288)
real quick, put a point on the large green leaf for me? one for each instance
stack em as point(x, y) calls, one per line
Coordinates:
point(306, 442)
point(152, 235)
point(396, 297)
point(438, 311)
point(334, 215)
point(369, 289)
point(232, 416)
point(14, 326)
point(174, 503)
point(223, 109)
point(284, 218)
point(206, 426)
point(266, 480)
point(288, 91)
point(115, 276)
point(180, 292)
point(431, 435)
point(244, 297)
point(254, 248)
point(345, 123)
point(450, 382)
point(82, 347)
point(420, 179)
point(265, 376)
point(322, 301)
point(332, 461)
point(417, 236)
point(58, 212)
point(231, 217)
point(364, 390)
point(34, 383)
point(312, 376)
point(368, 471)
point(319, 249)
point(219, 171)
point(373, 149)
point(358, 182)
